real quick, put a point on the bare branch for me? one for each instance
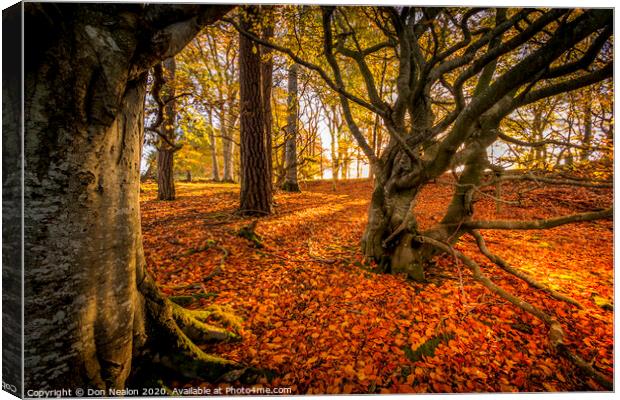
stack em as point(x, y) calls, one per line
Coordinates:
point(545, 142)
point(542, 223)
point(500, 262)
point(556, 333)
point(337, 88)
point(565, 86)
point(555, 181)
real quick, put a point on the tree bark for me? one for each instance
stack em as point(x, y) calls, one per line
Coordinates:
point(227, 148)
point(266, 87)
point(165, 174)
point(290, 150)
point(91, 308)
point(12, 202)
point(214, 165)
point(587, 125)
point(256, 196)
point(165, 156)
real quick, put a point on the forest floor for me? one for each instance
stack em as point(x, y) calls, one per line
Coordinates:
point(321, 321)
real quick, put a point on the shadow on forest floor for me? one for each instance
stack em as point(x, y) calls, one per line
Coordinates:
point(317, 317)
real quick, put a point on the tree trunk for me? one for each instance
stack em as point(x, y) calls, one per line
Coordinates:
point(256, 194)
point(344, 171)
point(389, 211)
point(587, 128)
point(266, 87)
point(12, 203)
point(389, 235)
point(91, 309)
point(227, 148)
point(214, 165)
point(165, 156)
point(165, 174)
point(290, 150)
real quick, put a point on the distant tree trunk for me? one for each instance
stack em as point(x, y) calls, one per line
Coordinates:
point(93, 315)
point(165, 175)
point(290, 150)
point(334, 158)
point(165, 157)
point(227, 147)
point(188, 175)
point(587, 122)
point(266, 88)
point(256, 194)
point(321, 166)
point(214, 165)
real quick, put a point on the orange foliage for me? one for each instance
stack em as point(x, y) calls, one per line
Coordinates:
point(324, 322)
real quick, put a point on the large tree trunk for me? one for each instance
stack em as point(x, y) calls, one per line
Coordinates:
point(12, 203)
point(290, 150)
point(255, 182)
point(392, 225)
point(90, 307)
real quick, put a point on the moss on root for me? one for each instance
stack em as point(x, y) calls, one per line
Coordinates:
point(171, 332)
point(196, 329)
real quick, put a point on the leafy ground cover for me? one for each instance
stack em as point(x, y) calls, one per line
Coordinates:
point(319, 320)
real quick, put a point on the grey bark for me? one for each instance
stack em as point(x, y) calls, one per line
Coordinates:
point(227, 148)
point(215, 174)
point(290, 148)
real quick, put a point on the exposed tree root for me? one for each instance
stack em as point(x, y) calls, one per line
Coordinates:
point(556, 333)
point(249, 232)
point(521, 275)
point(171, 331)
point(197, 330)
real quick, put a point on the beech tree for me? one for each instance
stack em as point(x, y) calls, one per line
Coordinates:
point(90, 306)
point(290, 147)
point(209, 68)
point(459, 73)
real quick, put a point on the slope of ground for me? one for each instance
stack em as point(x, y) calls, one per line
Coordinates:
point(321, 321)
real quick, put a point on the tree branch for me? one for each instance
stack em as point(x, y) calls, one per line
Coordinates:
point(556, 333)
point(540, 224)
point(307, 64)
point(500, 262)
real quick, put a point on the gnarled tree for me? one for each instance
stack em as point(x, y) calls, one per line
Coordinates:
point(459, 73)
